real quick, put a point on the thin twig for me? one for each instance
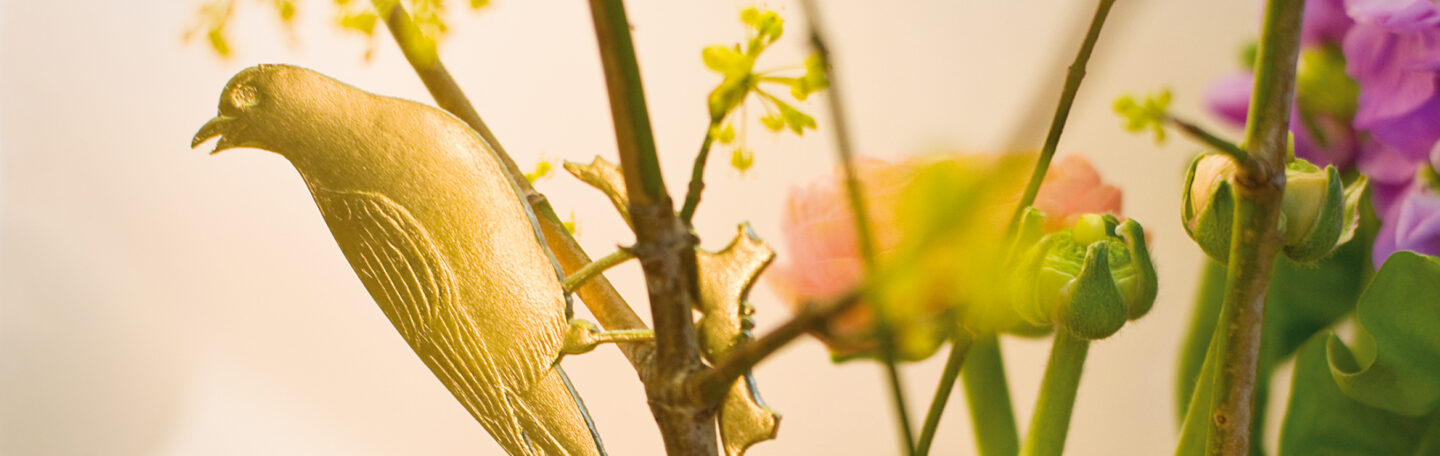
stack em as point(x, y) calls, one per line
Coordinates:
point(714, 383)
point(697, 174)
point(958, 349)
point(598, 295)
point(1073, 77)
point(1216, 143)
point(663, 244)
point(1255, 238)
point(989, 381)
point(595, 268)
point(862, 223)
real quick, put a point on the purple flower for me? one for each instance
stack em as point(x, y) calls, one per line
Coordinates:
point(1325, 22)
point(1396, 72)
point(1412, 223)
point(1229, 98)
point(1393, 52)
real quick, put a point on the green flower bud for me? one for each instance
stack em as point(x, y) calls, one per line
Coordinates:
point(1087, 280)
point(1209, 204)
point(1317, 213)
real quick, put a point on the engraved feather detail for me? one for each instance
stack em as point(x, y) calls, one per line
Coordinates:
point(399, 263)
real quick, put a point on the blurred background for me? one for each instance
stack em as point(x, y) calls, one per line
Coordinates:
point(158, 301)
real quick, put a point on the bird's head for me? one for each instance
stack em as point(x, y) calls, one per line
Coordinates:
point(279, 108)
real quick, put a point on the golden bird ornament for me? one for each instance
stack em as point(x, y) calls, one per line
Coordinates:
point(423, 211)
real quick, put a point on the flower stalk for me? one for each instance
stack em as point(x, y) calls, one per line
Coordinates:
point(988, 393)
point(697, 173)
point(1255, 239)
point(959, 348)
point(863, 230)
point(1051, 421)
point(985, 386)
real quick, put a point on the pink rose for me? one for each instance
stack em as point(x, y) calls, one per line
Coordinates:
point(822, 258)
point(1073, 188)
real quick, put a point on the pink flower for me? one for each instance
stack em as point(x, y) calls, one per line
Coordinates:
point(822, 259)
point(819, 232)
point(1073, 188)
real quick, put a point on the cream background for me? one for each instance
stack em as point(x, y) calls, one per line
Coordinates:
point(158, 301)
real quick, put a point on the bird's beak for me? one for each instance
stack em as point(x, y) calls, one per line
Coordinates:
point(218, 126)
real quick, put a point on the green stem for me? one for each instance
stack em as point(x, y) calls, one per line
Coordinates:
point(1255, 240)
point(985, 388)
point(1073, 77)
point(595, 268)
point(697, 174)
point(1210, 139)
point(988, 394)
point(958, 349)
point(863, 230)
point(1051, 421)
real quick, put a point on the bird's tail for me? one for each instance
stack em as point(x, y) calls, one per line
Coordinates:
point(554, 419)
point(584, 412)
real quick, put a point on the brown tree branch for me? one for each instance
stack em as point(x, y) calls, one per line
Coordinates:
point(711, 385)
point(664, 246)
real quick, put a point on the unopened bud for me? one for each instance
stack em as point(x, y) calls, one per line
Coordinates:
point(1087, 279)
point(1317, 213)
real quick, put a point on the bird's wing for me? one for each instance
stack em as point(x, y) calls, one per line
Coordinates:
point(394, 255)
point(412, 281)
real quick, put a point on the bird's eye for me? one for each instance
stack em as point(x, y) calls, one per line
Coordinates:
point(244, 96)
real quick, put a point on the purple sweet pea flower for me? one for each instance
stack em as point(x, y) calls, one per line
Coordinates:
point(1390, 170)
point(1435, 157)
point(1325, 22)
point(1393, 52)
point(1413, 224)
point(1229, 98)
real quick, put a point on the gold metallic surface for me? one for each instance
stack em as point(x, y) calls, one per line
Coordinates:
point(605, 176)
point(725, 322)
point(422, 210)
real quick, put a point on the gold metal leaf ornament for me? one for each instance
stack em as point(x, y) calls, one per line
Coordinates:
point(726, 317)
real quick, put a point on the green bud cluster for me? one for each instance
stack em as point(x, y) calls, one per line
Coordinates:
point(736, 62)
point(1087, 280)
point(1147, 114)
point(1318, 213)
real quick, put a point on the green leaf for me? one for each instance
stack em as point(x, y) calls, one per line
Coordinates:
point(1303, 300)
point(1323, 420)
point(1195, 431)
point(1394, 362)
